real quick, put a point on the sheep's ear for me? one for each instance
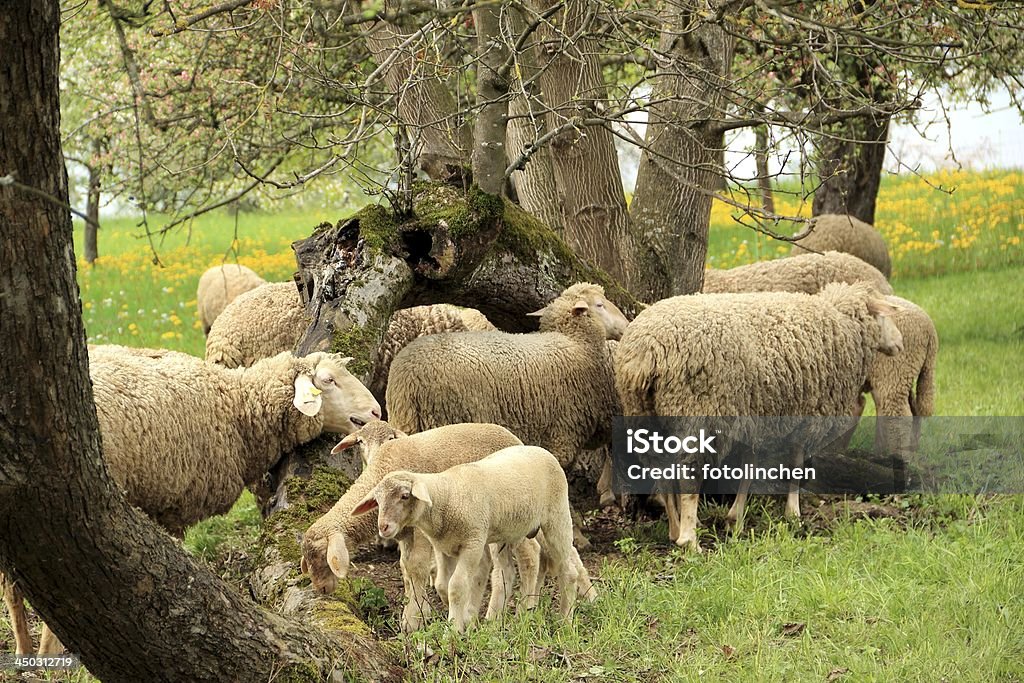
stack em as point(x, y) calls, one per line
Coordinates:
point(367, 504)
point(881, 307)
point(303, 567)
point(345, 360)
point(419, 492)
point(337, 556)
point(307, 396)
point(348, 442)
point(537, 314)
point(399, 434)
point(580, 307)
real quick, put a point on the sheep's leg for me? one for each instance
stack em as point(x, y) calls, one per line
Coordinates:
point(461, 585)
point(503, 577)
point(557, 544)
point(49, 644)
point(528, 561)
point(793, 498)
point(415, 564)
point(479, 585)
point(604, 484)
point(734, 518)
point(18, 617)
point(687, 507)
point(672, 511)
point(444, 566)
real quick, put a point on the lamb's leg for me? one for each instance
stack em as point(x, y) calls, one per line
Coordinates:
point(687, 505)
point(415, 564)
point(604, 484)
point(557, 544)
point(460, 587)
point(672, 512)
point(734, 518)
point(503, 577)
point(444, 565)
point(479, 585)
point(528, 561)
point(49, 644)
point(19, 618)
point(793, 498)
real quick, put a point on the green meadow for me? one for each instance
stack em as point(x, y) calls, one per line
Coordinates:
point(911, 588)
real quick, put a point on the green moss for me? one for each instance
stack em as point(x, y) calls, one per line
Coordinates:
point(301, 672)
point(379, 229)
point(308, 500)
point(359, 342)
point(463, 212)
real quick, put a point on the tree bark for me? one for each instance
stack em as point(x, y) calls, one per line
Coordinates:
point(90, 247)
point(849, 167)
point(489, 154)
point(682, 156)
point(116, 589)
point(585, 164)
point(764, 178)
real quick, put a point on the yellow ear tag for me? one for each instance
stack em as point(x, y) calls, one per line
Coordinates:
point(313, 391)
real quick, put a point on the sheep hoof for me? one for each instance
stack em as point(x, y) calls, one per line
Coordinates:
point(689, 542)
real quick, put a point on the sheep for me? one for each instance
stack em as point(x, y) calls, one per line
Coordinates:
point(752, 354)
point(850, 235)
point(608, 313)
point(182, 437)
point(370, 438)
point(408, 324)
point(326, 543)
point(553, 388)
point(807, 273)
point(219, 286)
point(503, 498)
point(258, 324)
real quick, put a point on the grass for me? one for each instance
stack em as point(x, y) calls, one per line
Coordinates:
point(931, 593)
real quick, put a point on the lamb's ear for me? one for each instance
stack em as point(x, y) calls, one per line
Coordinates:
point(348, 442)
point(303, 567)
point(419, 492)
point(337, 556)
point(537, 314)
point(580, 307)
point(307, 396)
point(367, 504)
point(399, 434)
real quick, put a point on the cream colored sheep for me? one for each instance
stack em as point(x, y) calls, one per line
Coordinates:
point(408, 324)
point(553, 388)
point(219, 286)
point(807, 273)
point(761, 354)
point(369, 439)
point(503, 498)
point(325, 545)
point(258, 324)
point(835, 232)
point(183, 437)
point(608, 313)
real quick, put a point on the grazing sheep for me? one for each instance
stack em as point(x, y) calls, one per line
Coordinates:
point(904, 386)
point(183, 437)
point(259, 324)
point(503, 498)
point(835, 232)
point(760, 354)
point(553, 388)
point(325, 545)
point(807, 273)
point(219, 286)
point(408, 324)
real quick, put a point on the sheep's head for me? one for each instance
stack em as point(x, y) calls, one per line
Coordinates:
point(370, 437)
point(400, 499)
point(324, 557)
point(602, 309)
point(891, 339)
point(329, 389)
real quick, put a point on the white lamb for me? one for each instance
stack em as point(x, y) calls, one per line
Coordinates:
point(504, 498)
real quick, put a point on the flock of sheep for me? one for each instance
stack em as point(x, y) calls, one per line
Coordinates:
point(448, 474)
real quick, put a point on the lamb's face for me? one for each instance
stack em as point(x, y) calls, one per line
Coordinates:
point(325, 558)
point(369, 438)
point(400, 499)
point(347, 404)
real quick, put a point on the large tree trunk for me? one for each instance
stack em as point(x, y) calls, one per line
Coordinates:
point(849, 167)
point(594, 213)
point(671, 209)
point(115, 588)
point(489, 155)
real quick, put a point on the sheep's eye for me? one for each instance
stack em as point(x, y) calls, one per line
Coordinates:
point(328, 380)
point(405, 495)
point(600, 304)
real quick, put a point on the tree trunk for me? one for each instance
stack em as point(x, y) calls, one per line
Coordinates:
point(92, 211)
point(116, 589)
point(594, 213)
point(489, 154)
point(671, 209)
point(850, 168)
point(764, 178)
